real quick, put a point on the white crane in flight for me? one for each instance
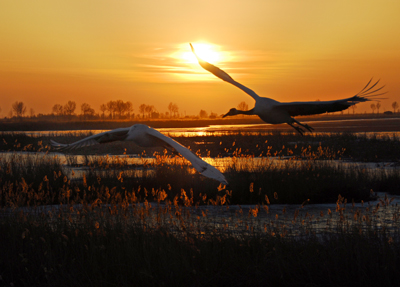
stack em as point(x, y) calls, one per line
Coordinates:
point(274, 112)
point(146, 136)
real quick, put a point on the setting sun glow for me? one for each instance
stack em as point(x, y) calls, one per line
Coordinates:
point(207, 52)
point(92, 52)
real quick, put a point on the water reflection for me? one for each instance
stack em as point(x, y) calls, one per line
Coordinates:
point(285, 220)
point(247, 129)
point(302, 220)
point(133, 165)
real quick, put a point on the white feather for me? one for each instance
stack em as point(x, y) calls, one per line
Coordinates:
point(146, 136)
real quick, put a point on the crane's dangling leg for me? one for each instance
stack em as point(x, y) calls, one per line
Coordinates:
point(299, 129)
point(303, 125)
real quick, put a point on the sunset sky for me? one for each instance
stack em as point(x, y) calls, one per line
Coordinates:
point(95, 51)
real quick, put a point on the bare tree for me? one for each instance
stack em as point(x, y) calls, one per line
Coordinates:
point(354, 107)
point(31, 112)
point(111, 108)
point(373, 108)
point(395, 106)
point(170, 108)
point(69, 108)
point(128, 109)
point(87, 110)
point(203, 114)
point(149, 110)
point(243, 106)
point(19, 108)
point(175, 110)
point(119, 108)
point(213, 115)
point(58, 109)
point(378, 105)
point(142, 109)
point(103, 108)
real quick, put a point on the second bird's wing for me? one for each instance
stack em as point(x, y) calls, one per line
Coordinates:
point(199, 164)
point(104, 137)
point(313, 108)
point(368, 93)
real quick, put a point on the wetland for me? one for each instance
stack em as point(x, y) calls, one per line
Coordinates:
point(319, 209)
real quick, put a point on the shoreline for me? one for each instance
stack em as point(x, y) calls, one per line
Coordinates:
point(324, 123)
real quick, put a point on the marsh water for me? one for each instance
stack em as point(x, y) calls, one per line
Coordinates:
point(257, 129)
point(286, 218)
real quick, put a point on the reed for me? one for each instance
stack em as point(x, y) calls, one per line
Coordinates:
point(155, 244)
point(157, 222)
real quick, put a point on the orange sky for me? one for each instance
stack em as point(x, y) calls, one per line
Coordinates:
point(95, 51)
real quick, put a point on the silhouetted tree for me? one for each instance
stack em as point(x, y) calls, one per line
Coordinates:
point(173, 108)
point(123, 108)
point(103, 108)
point(203, 114)
point(243, 106)
point(354, 107)
point(378, 105)
point(213, 115)
point(142, 109)
point(373, 107)
point(111, 108)
point(128, 109)
point(170, 108)
point(32, 112)
point(87, 110)
point(19, 108)
point(119, 107)
point(395, 106)
point(69, 108)
point(149, 110)
point(57, 109)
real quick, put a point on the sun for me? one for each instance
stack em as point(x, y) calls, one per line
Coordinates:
point(206, 51)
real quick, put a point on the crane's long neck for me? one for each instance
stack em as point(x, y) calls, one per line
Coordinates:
point(234, 112)
point(249, 112)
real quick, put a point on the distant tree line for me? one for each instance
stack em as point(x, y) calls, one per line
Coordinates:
point(124, 110)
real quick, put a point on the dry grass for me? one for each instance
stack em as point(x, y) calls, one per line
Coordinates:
point(167, 225)
point(185, 245)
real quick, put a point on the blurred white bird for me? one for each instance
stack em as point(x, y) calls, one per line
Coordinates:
point(146, 136)
point(274, 112)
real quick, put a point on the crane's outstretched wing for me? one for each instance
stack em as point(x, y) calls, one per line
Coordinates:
point(104, 137)
point(199, 164)
point(368, 93)
point(223, 75)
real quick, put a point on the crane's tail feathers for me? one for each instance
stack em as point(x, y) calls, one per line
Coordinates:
point(369, 93)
